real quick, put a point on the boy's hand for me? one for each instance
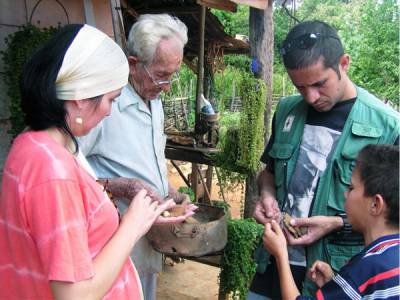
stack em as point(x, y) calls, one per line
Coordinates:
point(274, 240)
point(320, 273)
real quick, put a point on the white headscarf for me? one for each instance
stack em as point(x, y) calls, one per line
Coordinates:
point(93, 65)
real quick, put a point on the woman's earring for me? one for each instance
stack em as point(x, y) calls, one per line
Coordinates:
point(79, 120)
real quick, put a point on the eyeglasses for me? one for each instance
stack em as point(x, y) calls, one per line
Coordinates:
point(161, 83)
point(304, 41)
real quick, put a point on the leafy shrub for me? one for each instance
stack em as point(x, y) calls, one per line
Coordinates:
point(237, 263)
point(20, 45)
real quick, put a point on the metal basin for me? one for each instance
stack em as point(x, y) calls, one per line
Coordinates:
point(204, 233)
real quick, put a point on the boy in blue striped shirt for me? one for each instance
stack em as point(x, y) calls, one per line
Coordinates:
point(372, 207)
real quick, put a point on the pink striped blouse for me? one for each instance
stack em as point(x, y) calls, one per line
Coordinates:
point(54, 220)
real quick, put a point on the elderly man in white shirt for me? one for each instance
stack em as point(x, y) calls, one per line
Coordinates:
point(126, 150)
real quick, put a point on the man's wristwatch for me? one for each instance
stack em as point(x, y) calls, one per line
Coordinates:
point(347, 228)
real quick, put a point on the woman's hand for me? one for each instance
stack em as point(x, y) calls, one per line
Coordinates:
point(143, 211)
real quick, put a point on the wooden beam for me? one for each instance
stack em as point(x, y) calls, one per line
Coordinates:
point(129, 9)
point(180, 173)
point(207, 196)
point(260, 4)
point(200, 63)
point(190, 64)
point(177, 10)
point(219, 4)
point(209, 175)
point(118, 27)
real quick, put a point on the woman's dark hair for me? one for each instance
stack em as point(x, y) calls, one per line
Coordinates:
point(378, 166)
point(326, 45)
point(39, 101)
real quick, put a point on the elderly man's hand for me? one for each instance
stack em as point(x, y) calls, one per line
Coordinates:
point(179, 198)
point(127, 188)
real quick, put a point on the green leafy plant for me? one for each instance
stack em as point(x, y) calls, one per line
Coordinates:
point(188, 191)
point(242, 141)
point(237, 263)
point(251, 133)
point(20, 45)
point(241, 136)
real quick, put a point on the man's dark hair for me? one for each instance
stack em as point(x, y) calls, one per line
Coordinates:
point(327, 46)
point(378, 166)
point(39, 101)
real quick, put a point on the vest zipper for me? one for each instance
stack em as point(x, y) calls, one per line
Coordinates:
point(285, 198)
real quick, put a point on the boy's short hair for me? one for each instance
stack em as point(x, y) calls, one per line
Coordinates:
point(378, 166)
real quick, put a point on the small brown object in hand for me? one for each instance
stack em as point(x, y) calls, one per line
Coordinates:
point(176, 211)
point(297, 232)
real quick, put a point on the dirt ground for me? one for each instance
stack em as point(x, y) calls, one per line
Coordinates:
point(190, 280)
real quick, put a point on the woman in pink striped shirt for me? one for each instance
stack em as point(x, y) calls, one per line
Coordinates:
point(60, 235)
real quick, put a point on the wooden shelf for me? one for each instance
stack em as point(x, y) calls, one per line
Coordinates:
point(197, 155)
point(212, 260)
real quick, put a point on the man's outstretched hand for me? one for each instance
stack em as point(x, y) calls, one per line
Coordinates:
point(189, 211)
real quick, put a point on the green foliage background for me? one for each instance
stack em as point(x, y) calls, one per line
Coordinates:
point(19, 47)
point(370, 32)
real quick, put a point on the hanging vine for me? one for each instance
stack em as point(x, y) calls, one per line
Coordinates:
point(251, 134)
point(242, 141)
point(20, 45)
point(237, 264)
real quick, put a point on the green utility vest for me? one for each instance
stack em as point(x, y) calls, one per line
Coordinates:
point(369, 122)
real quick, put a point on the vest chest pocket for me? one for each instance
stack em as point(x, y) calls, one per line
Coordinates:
point(343, 166)
point(361, 135)
point(339, 255)
point(281, 153)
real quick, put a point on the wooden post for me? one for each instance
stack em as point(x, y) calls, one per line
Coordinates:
point(200, 62)
point(209, 175)
point(262, 41)
point(118, 27)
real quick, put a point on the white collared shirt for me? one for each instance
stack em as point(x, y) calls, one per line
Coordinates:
point(130, 142)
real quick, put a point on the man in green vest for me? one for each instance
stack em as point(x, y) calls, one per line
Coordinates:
point(311, 154)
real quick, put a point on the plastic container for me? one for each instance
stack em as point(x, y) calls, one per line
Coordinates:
point(205, 106)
